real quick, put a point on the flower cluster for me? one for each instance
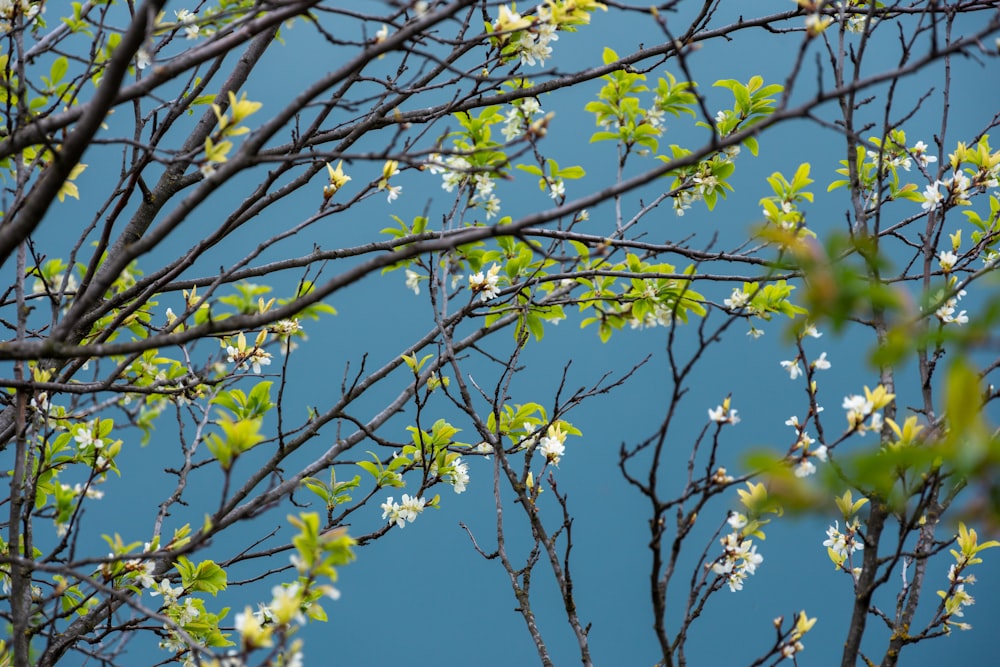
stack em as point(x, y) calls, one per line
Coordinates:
point(857, 15)
point(257, 628)
point(456, 171)
point(803, 624)
point(706, 181)
point(860, 408)
point(661, 315)
point(187, 20)
point(389, 169)
point(738, 300)
point(739, 558)
point(895, 155)
point(956, 192)
point(400, 513)
point(553, 444)
point(9, 9)
point(519, 117)
point(529, 38)
point(285, 330)
point(946, 311)
point(94, 448)
point(486, 285)
point(458, 475)
point(243, 356)
point(534, 44)
point(804, 441)
point(455, 471)
point(842, 545)
point(956, 596)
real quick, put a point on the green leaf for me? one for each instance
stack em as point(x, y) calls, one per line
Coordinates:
point(205, 577)
point(571, 172)
point(58, 70)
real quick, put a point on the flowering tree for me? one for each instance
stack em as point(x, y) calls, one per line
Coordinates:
point(172, 232)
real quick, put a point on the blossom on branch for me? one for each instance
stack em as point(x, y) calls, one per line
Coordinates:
point(486, 285)
point(723, 414)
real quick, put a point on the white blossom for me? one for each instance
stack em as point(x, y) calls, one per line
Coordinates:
point(413, 280)
point(486, 285)
point(843, 544)
point(737, 299)
point(722, 415)
point(932, 196)
point(811, 331)
point(821, 364)
point(400, 513)
point(947, 260)
point(793, 368)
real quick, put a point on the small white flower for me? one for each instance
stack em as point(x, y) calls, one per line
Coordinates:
point(947, 260)
point(552, 444)
point(84, 437)
point(491, 206)
point(552, 449)
point(420, 8)
point(413, 280)
point(793, 368)
point(920, 150)
point(959, 185)
point(512, 128)
point(170, 593)
point(411, 507)
point(811, 331)
point(557, 189)
point(400, 513)
point(90, 492)
point(841, 543)
point(737, 300)
point(804, 468)
point(858, 409)
point(459, 477)
point(723, 416)
point(821, 364)
point(932, 196)
point(259, 358)
point(286, 327)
